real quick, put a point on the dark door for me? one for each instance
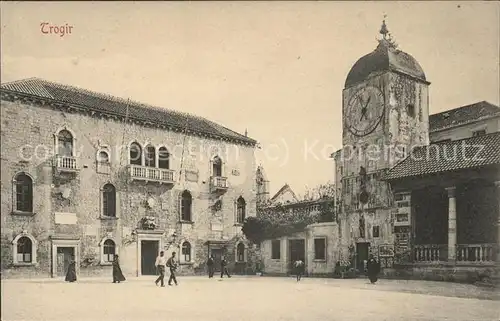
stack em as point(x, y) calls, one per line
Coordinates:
point(362, 250)
point(149, 252)
point(217, 253)
point(297, 252)
point(64, 256)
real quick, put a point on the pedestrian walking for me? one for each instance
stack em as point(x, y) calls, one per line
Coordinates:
point(299, 269)
point(160, 263)
point(71, 272)
point(117, 271)
point(223, 268)
point(210, 266)
point(373, 269)
point(172, 264)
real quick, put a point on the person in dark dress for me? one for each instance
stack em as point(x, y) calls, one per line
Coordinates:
point(373, 269)
point(71, 273)
point(223, 268)
point(117, 271)
point(210, 266)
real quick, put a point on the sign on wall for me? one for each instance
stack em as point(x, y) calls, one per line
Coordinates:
point(402, 217)
point(386, 250)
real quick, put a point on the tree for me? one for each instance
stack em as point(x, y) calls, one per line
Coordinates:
point(254, 229)
point(324, 190)
point(276, 220)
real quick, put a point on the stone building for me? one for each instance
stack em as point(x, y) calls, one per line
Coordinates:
point(386, 128)
point(92, 176)
point(316, 245)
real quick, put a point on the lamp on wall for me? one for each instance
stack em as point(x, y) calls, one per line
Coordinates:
point(172, 240)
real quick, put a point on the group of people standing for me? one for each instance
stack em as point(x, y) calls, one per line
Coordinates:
point(211, 267)
point(372, 269)
point(117, 271)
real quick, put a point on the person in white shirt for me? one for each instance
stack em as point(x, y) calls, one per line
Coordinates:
point(160, 263)
point(299, 268)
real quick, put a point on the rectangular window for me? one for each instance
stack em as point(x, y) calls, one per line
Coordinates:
point(320, 249)
point(479, 133)
point(376, 231)
point(275, 249)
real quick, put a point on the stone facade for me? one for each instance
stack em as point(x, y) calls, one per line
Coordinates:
point(491, 125)
point(322, 265)
point(400, 129)
point(68, 205)
point(388, 216)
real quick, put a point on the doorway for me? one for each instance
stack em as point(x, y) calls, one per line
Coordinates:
point(64, 256)
point(362, 250)
point(149, 252)
point(297, 250)
point(217, 254)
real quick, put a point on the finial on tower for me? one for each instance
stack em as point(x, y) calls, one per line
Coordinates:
point(383, 30)
point(246, 132)
point(387, 39)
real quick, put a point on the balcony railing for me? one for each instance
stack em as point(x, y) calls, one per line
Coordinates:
point(465, 253)
point(151, 174)
point(219, 183)
point(66, 163)
point(476, 253)
point(429, 253)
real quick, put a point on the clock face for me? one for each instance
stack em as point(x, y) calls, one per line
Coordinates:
point(365, 110)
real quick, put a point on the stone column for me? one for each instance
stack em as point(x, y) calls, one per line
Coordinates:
point(497, 185)
point(452, 224)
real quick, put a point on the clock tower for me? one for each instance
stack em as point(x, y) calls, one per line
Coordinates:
point(385, 113)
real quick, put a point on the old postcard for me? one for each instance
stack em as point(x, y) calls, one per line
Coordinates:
point(224, 161)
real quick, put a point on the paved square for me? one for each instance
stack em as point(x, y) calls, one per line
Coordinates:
point(245, 298)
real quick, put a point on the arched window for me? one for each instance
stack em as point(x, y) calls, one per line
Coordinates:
point(24, 250)
point(64, 143)
point(109, 200)
point(163, 158)
point(217, 167)
point(150, 156)
point(103, 157)
point(109, 250)
point(135, 154)
point(240, 210)
point(186, 202)
point(24, 247)
point(240, 252)
point(24, 193)
point(186, 252)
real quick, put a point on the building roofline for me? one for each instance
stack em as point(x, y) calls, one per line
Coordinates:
point(190, 117)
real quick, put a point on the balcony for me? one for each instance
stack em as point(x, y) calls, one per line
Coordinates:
point(218, 184)
point(152, 174)
point(66, 164)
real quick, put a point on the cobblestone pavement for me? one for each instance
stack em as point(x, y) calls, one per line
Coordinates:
point(246, 298)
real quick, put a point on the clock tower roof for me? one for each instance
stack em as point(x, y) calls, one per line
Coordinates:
point(386, 57)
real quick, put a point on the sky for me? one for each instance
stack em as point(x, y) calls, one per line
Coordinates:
point(276, 69)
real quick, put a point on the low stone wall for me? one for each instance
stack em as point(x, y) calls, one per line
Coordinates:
point(447, 273)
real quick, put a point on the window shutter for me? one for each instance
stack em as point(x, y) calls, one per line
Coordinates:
point(235, 210)
point(101, 202)
point(179, 205)
point(118, 204)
